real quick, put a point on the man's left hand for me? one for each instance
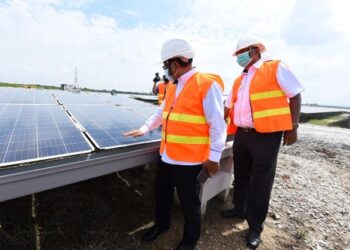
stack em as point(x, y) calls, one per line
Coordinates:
point(290, 137)
point(211, 166)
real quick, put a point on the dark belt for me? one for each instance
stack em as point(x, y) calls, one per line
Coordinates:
point(247, 130)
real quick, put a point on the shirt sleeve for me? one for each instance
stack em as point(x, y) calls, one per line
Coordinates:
point(228, 100)
point(214, 112)
point(288, 81)
point(154, 121)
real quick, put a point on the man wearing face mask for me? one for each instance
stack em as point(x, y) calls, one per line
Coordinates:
point(193, 137)
point(265, 106)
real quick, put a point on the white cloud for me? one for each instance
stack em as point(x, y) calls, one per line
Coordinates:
point(132, 13)
point(42, 42)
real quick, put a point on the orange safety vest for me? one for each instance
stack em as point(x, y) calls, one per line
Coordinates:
point(231, 128)
point(185, 131)
point(270, 106)
point(161, 92)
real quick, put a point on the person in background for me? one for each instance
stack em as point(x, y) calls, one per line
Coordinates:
point(264, 106)
point(155, 80)
point(159, 87)
point(193, 137)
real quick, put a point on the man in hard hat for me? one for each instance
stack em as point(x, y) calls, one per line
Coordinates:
point(265, 102)
point(159, 88)
point(193, 137)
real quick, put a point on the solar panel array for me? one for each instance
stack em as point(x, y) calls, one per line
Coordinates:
point(25, 96)
point(36, 132)
point(106, 124)
point(68, 98)
point(36, 124)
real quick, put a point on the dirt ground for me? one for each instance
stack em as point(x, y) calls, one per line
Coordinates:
point(310, 207)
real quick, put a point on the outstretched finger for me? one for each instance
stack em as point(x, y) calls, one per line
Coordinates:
point(137, 134)
point(130, 133)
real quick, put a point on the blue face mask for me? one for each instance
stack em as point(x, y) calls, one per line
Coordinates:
point(244, 59)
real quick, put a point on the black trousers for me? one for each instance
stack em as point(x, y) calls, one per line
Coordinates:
point(255, 160)
point(184, 179)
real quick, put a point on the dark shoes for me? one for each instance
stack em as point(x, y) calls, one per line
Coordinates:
point(185, 246)
point(152, 234)
point(253, 240)
point(232, 213)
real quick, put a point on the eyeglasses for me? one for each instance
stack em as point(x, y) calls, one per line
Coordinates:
point(180, 61)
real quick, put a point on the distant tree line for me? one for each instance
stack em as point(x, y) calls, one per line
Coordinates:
point(27, 85)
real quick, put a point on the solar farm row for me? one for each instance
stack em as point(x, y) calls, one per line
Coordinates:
point(38, 125)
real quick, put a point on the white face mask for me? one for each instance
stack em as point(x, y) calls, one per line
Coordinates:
point(167, 74)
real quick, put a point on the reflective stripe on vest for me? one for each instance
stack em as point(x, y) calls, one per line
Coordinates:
point(266, 94)
point(186, 139)
point(185, 118)
point(271, 112)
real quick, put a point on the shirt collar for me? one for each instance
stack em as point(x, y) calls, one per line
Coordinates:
point(258, 63)
point(184, 78)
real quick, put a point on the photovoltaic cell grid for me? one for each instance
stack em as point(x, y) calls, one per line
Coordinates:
point(35, 132)
point(25, 96)
point(34, 127)
point(105, 124)
point(88, 98)
point(67, 98)
point(127, 100)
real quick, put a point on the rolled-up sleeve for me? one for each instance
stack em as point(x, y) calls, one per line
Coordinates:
point(154, 121)
point(288, 82)
point(213, 105)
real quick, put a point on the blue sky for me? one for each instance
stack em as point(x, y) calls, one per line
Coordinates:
point(116, 44)
point(131, 13)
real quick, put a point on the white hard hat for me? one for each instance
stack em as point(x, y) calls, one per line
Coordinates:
point(176, 48)
point(245, 43)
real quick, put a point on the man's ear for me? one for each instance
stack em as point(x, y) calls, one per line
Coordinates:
point(172, 65)
point(254, 52)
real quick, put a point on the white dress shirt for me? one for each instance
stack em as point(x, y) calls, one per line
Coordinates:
point(287, 81)
point(214, 112)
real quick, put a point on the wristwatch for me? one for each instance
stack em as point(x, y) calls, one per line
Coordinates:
point(295, 125)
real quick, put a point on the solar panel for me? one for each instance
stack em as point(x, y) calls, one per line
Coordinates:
point(126, 99)
point(26, 96)
point(65, 97)
point(105, 124)
point(88, 98)
point(36, 132)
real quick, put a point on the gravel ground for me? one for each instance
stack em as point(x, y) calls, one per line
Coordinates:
point(312, 188)
point(310, 207)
